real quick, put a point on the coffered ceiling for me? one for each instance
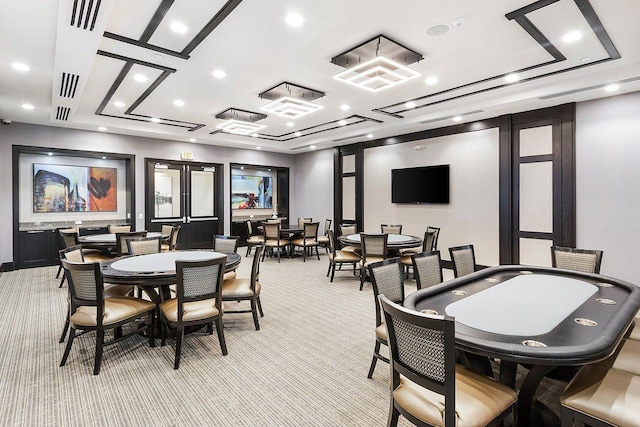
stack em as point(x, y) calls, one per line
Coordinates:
point(290, 76)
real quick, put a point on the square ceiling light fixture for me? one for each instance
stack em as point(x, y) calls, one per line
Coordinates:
point(377, 64)
point(291, 101)
point(240, 122)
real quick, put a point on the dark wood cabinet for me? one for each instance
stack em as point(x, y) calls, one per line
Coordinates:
point(37, 248)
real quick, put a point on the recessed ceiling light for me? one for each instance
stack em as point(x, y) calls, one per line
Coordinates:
point(342, 122)
point(155, 119)
point(49, 154)
point(140, 78)
point(119, 104)
point(192, 140)
point(431, 80)
point(294, 19)
point(104, 157)
point(18, 66)
point(456, 118)
point(178, 103)
point(571, 37)
point(369, 135)
point(290, 124)
point(102, 128)
point(585, 59)
point(255, 135)
point(28, 106)
point(510, 78)
point(242, 167)
point(219, 74)
point(179, 27)
point(258, 148)
point(344, 107)
point(410, 104)
point(312, 147)
point(297, 134)
point(612, 87)
point(437, 30)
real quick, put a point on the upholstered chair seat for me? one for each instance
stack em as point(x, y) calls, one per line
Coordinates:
point(191, 310)
point(239, 288)
point(344, 257)
point(116, 309)
point(477, 398)
point(339, 257)
point(229, 275)
point(598, 394)
point(381, 333)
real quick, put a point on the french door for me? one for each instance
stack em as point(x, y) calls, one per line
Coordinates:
point(189, 194)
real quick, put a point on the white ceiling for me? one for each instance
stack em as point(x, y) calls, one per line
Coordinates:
point(258, 50)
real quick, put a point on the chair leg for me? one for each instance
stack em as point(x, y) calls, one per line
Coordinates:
point(66, 325)
point(329, 270)
point(260, 306)
point(248, 250)
point(59, 270)
point(362, 277)
point(376, 351)
point(99, 347)
point(64, 276)
point(220, 329)
point(254, 312)
point(151, 319)
point(179, 336)
point(392, 421)
point(264, 252)
point(67, 349)
point(333, 271)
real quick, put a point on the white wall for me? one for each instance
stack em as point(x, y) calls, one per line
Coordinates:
point(608, 182)
point(472, 215)
point(313, 192)
point(55, 137)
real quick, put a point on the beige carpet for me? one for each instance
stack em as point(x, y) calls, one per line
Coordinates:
point(307, 365)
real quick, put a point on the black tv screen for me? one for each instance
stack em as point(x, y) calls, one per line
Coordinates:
point(427, 184)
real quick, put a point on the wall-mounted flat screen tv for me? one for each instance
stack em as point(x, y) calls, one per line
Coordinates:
point(427, 184)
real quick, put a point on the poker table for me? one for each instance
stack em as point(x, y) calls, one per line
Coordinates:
point(543, 317)
point(394, 241)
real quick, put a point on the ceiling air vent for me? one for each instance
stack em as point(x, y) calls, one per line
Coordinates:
point(62, 113)
point(84, 14)
point(68, 85)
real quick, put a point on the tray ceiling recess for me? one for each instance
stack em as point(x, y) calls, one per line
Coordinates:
point(377, 64)
point(291, 101)
point(240, 122)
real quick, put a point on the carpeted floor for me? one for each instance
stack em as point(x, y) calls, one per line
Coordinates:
point(307, 365)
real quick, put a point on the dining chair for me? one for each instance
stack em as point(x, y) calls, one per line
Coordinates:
point(226, 245)
point(198, 301)
point(303, 221)
point(172, 242)
point(464, 260)
point(308, 241)
point(338, 257)
point(143, 245)
point(387, 279)
point(76, 254)
point(252, 240)
point(391, 229)
point(113, 229)
point(241, 289)
point(584, 260)
point(121, 241)
point(427, 387)
point(272, 240)
point(374, 249)
point(427, 269)
point(347, 230)
point(67, 237)
point(323, 239)
point(429, 244)
point(91, 310)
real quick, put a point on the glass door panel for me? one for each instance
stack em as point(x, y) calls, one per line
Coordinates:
point(168, 189)
point(202, 185)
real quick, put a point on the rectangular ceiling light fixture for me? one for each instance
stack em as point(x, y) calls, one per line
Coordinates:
point(377, 64)
point(240, 128)
point(291, 108)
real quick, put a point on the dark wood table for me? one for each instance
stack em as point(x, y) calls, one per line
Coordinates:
point(543, 317)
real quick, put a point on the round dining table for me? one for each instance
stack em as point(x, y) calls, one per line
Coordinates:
point(157, 271)
point(394, 241)
point(109, 239)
